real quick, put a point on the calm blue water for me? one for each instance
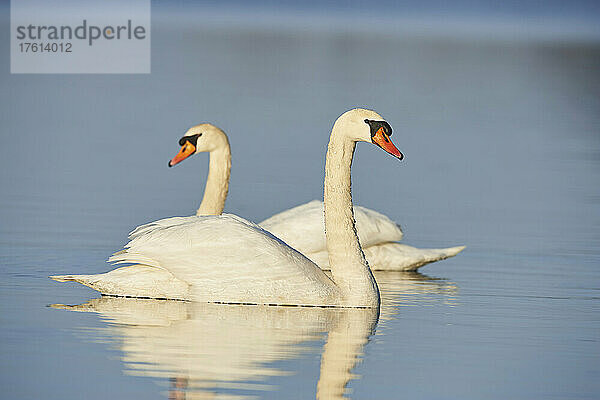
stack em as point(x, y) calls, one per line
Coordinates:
point(502, 148)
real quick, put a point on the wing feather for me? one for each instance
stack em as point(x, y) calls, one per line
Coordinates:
point(226, 258)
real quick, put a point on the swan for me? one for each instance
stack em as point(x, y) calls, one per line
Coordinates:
point(209, 138)
point(226, 259)
point(301, 227)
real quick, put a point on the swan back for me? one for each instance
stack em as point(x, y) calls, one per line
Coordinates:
point(229, 259)
point(303, 227)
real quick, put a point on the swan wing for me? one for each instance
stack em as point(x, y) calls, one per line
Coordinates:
point(229, 259)
point(394, 257)
point(161, 223)
point(303, 227)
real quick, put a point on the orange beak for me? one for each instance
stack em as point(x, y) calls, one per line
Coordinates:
point(382, 140)
point(186, 150)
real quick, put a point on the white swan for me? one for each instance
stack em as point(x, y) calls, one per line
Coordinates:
point(228, 259)
point(301, 227)
point(208, 138)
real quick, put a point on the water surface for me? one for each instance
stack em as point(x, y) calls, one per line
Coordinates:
point(502, 154)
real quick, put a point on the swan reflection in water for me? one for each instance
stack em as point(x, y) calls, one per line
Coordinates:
point(226, 351)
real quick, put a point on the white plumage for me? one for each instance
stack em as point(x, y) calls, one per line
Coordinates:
point(303, 228)
point(228, 259)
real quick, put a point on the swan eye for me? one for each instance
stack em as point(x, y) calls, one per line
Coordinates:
point(376, 125)
point(193, 139)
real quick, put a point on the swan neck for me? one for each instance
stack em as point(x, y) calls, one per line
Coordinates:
point(349, 267)
point(217, 183)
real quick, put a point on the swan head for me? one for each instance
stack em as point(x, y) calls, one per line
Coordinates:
point(199, 139)
point(361, 125)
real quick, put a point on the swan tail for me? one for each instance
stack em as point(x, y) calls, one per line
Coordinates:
point(133, 281)
point(401, 257)
point(451, 251)
point(87, 280)
point(433, 255)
